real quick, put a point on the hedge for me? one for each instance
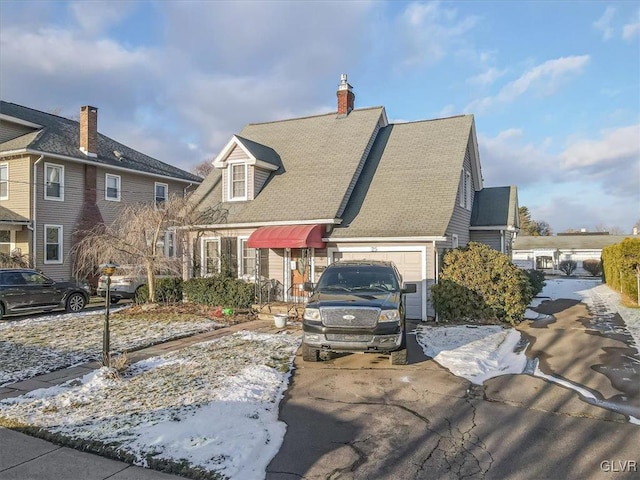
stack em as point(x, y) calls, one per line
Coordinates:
point(168, 290)
point(479, 283)
point(219, 290)
point(620, 263)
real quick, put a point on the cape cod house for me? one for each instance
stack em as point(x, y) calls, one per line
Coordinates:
point(59, 175)
point(304, 192)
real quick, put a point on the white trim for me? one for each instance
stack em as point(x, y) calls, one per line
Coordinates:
point(227, 226)
point(241, 266)
point(385, 239)
point(509, 228)
point(230, 181)
point(61, 167)
point(19, 121)
point(203, 261)
point(401, 248)
point(166, 191)
point(60, 229)
point(28, 151)
point(106, 187)
point(221, 159)
point(5, 165)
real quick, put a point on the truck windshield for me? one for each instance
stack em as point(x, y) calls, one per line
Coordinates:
point(360, 278)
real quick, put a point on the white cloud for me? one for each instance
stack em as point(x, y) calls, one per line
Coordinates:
point(603, 24)
point(631, 30)
point(427, 32)
point(96, 17)
point(488, 77)
point(545, 79)
point(615, 146)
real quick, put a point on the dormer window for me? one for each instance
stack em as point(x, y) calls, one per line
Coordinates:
point(237, 181)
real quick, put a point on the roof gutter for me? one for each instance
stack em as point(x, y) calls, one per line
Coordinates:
point(386, 239)
point(34, 224)
point(323, 221)
point(29, 151)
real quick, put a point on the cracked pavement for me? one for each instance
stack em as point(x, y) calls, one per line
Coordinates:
point(358, 417)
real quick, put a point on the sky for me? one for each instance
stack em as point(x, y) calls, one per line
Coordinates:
point(554, 86)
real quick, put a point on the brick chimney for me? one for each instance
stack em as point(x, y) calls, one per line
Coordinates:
point(346, 97)
point(89, 131)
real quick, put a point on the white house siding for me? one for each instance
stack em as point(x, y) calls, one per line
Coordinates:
point(526, 259)
point(461, 217)
point(10, 130)
point(19, 200)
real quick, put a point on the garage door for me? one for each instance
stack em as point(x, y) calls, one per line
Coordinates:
point(410, 266)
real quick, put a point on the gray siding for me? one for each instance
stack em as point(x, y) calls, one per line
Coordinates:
point(488, 237)
point(461, 217)
point(9, 130)
point(260, 176)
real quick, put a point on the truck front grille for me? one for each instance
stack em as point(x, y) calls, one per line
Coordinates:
point(362, 317)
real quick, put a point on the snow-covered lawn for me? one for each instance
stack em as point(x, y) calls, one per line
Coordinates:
point(46, 343)
point(206, 409)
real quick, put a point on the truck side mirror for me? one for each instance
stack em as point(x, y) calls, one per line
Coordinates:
point(308, 286)
point(409, 288)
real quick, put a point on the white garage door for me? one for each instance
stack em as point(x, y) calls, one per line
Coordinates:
point(410, 266)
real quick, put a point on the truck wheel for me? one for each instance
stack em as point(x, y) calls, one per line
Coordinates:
point(1, 310)
point(399, 357)
point(310, 354)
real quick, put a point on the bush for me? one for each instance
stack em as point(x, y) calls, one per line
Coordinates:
point(220, 290)
point(619, 266)
point(536, 280)
point(568, 267)
point(594, 267)
point(480, 283)
point(168, 290)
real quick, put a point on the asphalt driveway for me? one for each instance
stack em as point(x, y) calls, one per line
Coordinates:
point(357, 417)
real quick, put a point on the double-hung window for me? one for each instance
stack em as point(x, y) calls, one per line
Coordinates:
point(210, 257)
point(248, 259)
point(53, 244)
point(112, 187)
point(5, 241)
point(4, 181)
point(237, 181)
point(53, 182)
point(162, 192)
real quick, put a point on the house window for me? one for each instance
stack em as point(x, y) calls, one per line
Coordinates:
point(5, 241)
point(464, 190)
point(454, 241)
point(544, 263)
point(247, 259)
point(167, 244)
point(210, 257)
point(237, 181)
point(112, 187)
point(53, 182)
point(4, 181)
point(162, 191)
point(53, 244)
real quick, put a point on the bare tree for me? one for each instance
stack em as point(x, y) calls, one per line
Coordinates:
point(203, 168)
point(137, 237)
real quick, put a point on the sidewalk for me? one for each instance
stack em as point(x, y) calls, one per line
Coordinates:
point(24, 457)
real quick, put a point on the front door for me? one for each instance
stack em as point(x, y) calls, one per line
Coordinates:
point(300, 273)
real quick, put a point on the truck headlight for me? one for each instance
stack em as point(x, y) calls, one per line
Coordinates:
point(389, 316)
point(312, 314)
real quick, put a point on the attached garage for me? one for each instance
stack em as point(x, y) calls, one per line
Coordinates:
point(411, 263)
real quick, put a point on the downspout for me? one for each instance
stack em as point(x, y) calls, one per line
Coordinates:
point(437, 270)
point(502, 241)
point(34, 226)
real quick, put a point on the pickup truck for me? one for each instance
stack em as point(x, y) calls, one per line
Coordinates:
point(357, 306)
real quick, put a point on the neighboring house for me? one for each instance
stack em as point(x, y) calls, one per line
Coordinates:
point(545, 253)
point(349, 185)
point(58, 176)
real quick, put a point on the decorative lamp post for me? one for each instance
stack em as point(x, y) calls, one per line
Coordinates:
point(107, 269)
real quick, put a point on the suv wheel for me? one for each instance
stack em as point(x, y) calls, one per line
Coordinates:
point(310, 354)
point(75, 303)
point(114, 300)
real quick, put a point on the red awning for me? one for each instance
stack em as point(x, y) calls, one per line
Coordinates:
point(289, 236)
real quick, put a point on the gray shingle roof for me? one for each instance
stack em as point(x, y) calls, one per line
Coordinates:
point(261, 152)
point(319, 156)
point(410, 182)
point(60, 136)
point(9, 216)
point(578, 242)
point(495, 207)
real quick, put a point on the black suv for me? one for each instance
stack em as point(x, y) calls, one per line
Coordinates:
point(357, 306)
point(23, 291)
